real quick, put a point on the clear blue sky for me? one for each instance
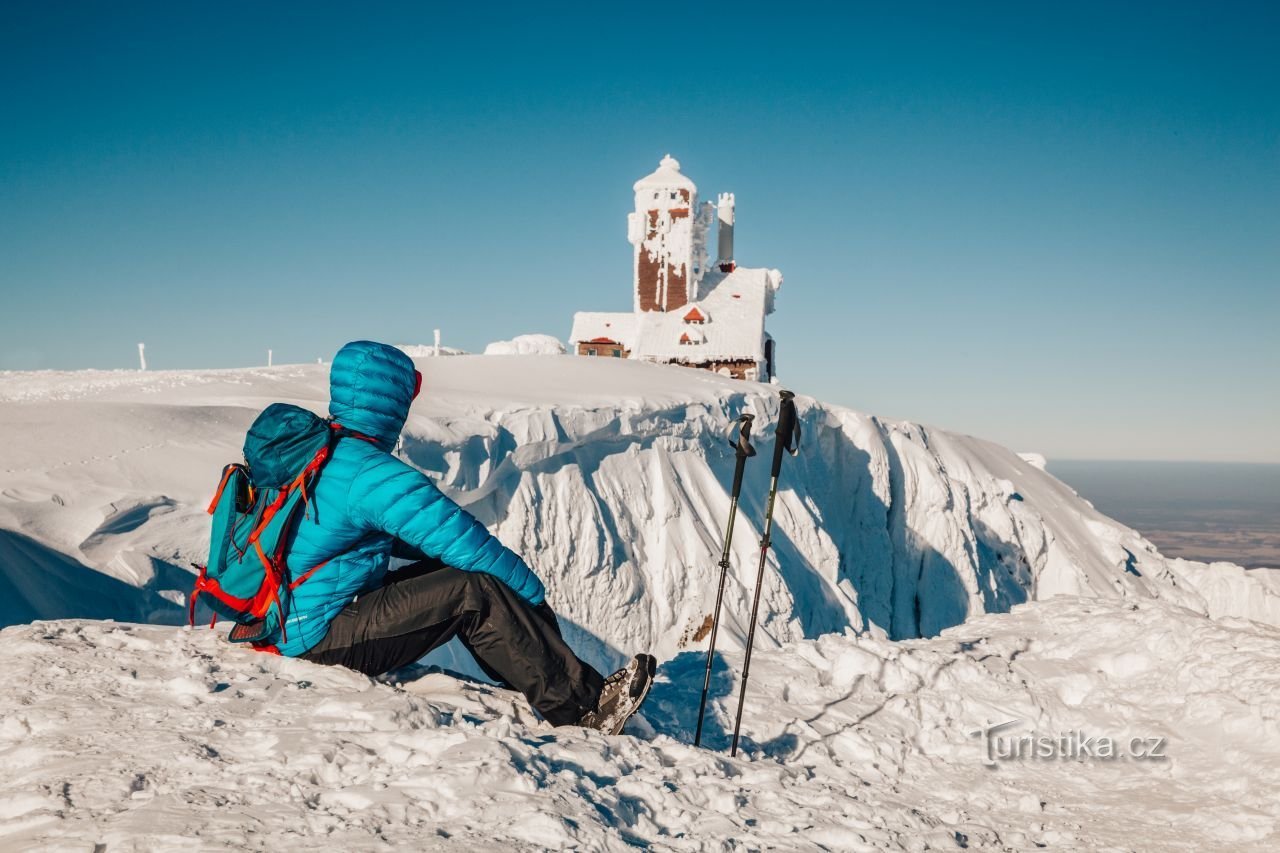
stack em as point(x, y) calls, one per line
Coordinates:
point(1056, 227)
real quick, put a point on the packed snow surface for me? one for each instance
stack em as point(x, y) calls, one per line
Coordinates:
point(123, 737)
point(612, 478)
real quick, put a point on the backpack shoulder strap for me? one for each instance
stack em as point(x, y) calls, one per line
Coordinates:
point(340, 432)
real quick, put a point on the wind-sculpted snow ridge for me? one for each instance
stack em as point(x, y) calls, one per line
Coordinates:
point(620, 504)
point(612, 478)
point(126, 737)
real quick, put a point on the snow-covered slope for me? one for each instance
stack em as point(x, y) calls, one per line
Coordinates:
point(117, 737)
point(611, 477)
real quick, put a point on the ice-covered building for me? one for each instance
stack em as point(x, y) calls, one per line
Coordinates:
point(686, 310)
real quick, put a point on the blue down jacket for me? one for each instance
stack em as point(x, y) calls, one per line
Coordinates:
point(365, 499)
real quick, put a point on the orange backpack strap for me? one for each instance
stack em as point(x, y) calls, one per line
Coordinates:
point(222, 485)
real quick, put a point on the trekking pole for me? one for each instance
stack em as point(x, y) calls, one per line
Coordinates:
point(742, 444)
point(788, 439)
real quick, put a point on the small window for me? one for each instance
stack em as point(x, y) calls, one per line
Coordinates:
point(617, 353)
point(673, 195)
point(655, 195)
point(591, 351)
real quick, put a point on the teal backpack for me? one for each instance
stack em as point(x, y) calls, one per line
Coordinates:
point(255, 512)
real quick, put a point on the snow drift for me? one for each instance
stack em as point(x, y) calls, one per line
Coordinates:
point(527, 345)
point(611, 477)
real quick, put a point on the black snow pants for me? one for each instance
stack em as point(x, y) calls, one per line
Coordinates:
point(426, 604)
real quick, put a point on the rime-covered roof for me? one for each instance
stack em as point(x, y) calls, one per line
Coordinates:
point(667, 174)
point(601, 326)
point(735, 305)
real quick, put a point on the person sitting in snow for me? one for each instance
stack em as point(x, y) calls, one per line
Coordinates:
point(368, 505)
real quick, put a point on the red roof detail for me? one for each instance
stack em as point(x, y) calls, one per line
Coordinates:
point(694, 316)
point(602, 341)
point(685, 339)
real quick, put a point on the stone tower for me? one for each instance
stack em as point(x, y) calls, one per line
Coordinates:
point(668, 231)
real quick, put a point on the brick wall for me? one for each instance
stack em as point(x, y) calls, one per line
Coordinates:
point(649, 269)
point(610, 350)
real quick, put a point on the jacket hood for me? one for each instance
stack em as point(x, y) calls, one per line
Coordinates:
point(371, 386)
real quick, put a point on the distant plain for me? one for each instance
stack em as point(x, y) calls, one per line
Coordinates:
point(1198, 510)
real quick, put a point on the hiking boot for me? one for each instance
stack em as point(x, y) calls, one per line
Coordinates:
point(622, 695)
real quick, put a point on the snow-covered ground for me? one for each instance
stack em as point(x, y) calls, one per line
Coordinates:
point(122, 737)
point(612, 477)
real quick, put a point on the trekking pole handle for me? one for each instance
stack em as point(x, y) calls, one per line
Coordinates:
point(742, 447)
point(788, 433)
point(742, 442)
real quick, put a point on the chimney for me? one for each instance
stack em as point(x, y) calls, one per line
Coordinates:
point(724, 237)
